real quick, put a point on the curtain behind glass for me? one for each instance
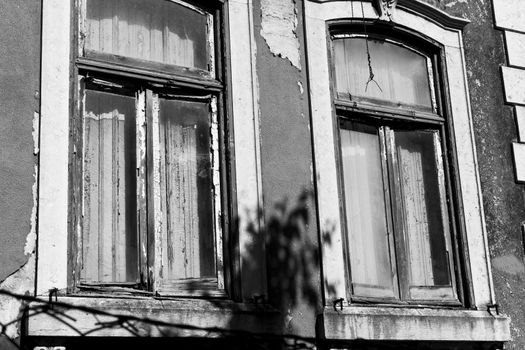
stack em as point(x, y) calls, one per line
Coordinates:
point(365, 211)
point(155, 30)
point(109, 239)
point(189, 244)
point(423, 219)
point(401, 73)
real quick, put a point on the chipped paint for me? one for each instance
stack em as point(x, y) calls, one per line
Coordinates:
point(278, 28)
point(30, 245)
point(214, 130)
point(301, 89)
point(20, 282)
point(36, 131)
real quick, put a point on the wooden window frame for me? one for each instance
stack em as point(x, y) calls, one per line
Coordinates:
point(386, 114)
point(150, 80)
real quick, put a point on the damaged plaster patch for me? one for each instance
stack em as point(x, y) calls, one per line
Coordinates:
point(278, 28)
point(29, 247)
point(301, 89)
point(20, 282)
point(36, 132)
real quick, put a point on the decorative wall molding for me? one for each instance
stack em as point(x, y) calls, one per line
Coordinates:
point(385, 8)
point(421, 9)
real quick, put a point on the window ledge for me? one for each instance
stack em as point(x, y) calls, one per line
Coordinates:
point(149, 317)
point(387, 323)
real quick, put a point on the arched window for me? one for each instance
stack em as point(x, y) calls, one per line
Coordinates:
point(395, 183)
point(398, 192)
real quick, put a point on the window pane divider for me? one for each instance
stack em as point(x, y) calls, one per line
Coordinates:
point(444, 210)
point(398, 210)
point(388, 207)
point(216, 184)
point(155, 198)
point(152, 75)
point(388, 112)
point(142, 213)
point(427, 303)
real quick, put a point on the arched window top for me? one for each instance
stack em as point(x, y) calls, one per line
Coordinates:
point(382, 71)
point(167, 32)
point(425, 9)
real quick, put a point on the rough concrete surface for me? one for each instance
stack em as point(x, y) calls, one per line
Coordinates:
point(19, 105)
point(286, 153)
point(494, 131)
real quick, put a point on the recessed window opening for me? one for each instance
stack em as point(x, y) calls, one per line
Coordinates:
point(394, 174)
point(151, 169)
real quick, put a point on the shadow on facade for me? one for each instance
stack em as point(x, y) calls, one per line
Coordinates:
point(293, 282)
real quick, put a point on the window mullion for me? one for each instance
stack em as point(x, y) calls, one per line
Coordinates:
point(216, 176)
point(154, 191)
point(388, 195)
point(444, 208)
point(142, 217)
point(398, 210)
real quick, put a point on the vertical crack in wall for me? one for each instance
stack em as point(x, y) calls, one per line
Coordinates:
point(278, 28)
point(22, 281)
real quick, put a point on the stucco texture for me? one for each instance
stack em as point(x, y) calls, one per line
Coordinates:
point(286, 158)
point(494, 131)
point(19, 80)
point(19, 104)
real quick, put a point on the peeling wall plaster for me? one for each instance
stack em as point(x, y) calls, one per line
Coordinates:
point(20, 282)
point(278, 28)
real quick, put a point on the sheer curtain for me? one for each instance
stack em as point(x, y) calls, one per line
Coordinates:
point(109, 229)
point(189, 243)
point(365, 209)
point(402, 74)
point(154, 30)
point(423, 219)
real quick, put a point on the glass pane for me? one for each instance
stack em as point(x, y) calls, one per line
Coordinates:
point(155, 30)
point(421, 177)
point(109, 237)
point(185, 129)
point(368, 242)
point(401, 74)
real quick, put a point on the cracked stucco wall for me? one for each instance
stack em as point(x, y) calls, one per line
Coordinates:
point(19, 117)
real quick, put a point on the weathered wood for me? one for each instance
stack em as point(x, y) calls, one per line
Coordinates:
point(109, 232)
point(152, 71)
point(91, 184)
point(141, 175)
point(216, 192)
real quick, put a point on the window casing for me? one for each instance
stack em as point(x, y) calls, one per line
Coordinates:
point(343, 318)
point(394, 178)
point(151, 173)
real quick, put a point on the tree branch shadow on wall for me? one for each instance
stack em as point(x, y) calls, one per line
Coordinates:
point(293, 282)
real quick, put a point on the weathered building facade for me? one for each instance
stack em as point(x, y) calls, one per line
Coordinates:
point(262, 173)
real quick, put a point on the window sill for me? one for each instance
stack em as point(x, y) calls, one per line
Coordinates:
point(149, 317)
point(387, 323)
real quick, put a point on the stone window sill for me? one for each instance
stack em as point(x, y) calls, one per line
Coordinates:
point(149, 317)
point(414, 324)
